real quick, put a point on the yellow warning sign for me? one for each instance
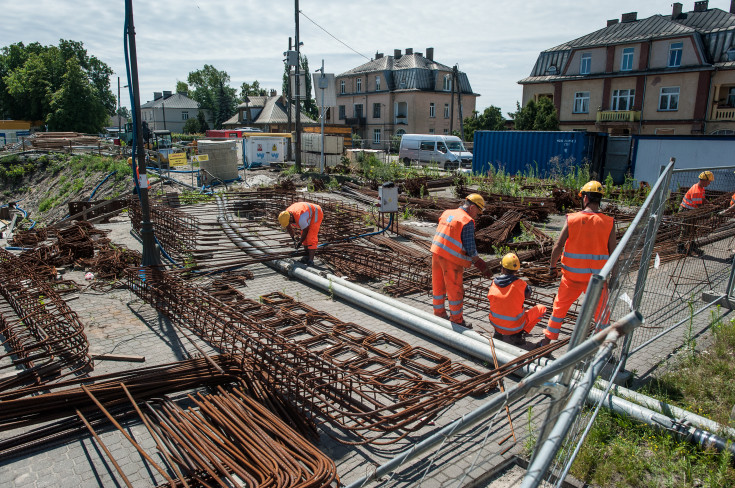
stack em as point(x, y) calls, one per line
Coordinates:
point(177, 159)
point(200, 158)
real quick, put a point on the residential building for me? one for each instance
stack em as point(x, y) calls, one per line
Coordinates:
point(170, 111)
point(267, 113)
point(400, 94)
point(665, 74)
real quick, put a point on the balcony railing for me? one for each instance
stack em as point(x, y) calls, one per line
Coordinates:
point(724, 113)
point(355, 121)
point(618, 116)
point(401, 119)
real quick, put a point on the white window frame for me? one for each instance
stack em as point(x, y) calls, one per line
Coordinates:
point(626, 60)
point(377, 83)
point(341, 86)
point(446, 131)
point(431, 131)
point(620, 97)
point(432, 110)
point(354, 110)
point(446, 110)
point(447, 83)
point(358, 85)
point(184, 115)
point(669, 98)
point(731, 97)
point(581, 103)
point(676, 50)
point(376, 136)
point(585, 64)
point(376, 107)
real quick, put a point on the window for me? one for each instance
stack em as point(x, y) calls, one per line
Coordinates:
point(431, 131)
point(342, 86)
point(581, 103)
point(426, 145)
point(446, 131)
point(585, 64)
point(358, 85)
point(341, 112)
point(184, 115)
point(432, 110)
point(731, 97)
point(376, 110)
point(358, 110)
point(447, 83)
point(446, 110)
point(626, 63)
point(377, 83)
point(622, 100)
point(675, 50)
point(669, 98)
point(731, 54)
point(376, 136)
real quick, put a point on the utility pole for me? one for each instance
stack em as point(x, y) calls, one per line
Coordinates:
point(322, 86)
point(288, 99)
point(118, 107)
point(459, 102)
point(451, 109)
point(151, 256)
point(297, 160)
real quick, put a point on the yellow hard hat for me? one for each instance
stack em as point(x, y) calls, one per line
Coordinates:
point(510, 261)
point(591, 186)
point(477, 199)
point(706, 175)
point(284, 218)
point(130, 161)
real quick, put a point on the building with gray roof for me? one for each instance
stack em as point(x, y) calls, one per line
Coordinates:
point(170, 111)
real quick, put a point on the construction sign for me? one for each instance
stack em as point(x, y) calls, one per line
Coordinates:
point(200, 157)
point(177, 159)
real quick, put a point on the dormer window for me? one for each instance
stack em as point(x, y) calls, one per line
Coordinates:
point(585, 64)
point(731, 54)
point(626, 62)
point(551, 70)
point(675, 50)
point(447, 83)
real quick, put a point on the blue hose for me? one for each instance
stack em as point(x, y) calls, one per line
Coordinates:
point(390, 222)
point(99, 185)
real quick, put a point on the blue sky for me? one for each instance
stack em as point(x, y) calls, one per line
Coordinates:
point(495, 43)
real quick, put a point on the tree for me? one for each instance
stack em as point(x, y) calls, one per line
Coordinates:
point(31, 76)
point(490, 119)
point(252, 90)
point(211, 89)
point(182, 87)
point(74, 105)
point(124, 114)
point(539, 115)
point(308, 104)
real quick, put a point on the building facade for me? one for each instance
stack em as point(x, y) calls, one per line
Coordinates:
point(666, 74)
point(170, 111)
point(401, 94)
point(268, 113)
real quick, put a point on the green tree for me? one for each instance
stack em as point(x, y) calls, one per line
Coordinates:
point(490, 119)
point(252, 90)
point(74, 106)
point(182, 87)
point(539, 115)
point(309, 106)
point(211, 89)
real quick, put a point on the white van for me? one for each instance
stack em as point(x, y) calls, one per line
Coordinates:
point(446, 151)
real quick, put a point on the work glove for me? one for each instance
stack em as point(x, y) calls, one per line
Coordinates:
point(297, 245)
point(482, 266)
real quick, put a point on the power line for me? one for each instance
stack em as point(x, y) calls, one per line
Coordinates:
point(325, 30)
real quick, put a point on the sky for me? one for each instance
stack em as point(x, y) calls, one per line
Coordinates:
point(495, 43)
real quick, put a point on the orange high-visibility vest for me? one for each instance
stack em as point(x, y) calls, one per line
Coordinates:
point(585, 252)
point(732, 200)
point(506, 306)
point(448, 238)
point(693, 198)
point(297, 210)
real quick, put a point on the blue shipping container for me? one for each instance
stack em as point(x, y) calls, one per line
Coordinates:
point(520, 151)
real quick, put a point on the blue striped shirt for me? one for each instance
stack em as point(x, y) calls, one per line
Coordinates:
point(468, 239)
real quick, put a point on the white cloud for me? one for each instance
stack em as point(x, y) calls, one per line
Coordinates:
point(495, 43)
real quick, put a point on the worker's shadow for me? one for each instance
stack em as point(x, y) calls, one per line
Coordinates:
point(160, 325)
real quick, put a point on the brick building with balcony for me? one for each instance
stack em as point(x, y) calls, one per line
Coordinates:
point(666, 74)
point(401, 94)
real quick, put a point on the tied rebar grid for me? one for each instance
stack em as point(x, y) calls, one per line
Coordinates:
point(367, 384)
point(176, 231)
point(42, 336)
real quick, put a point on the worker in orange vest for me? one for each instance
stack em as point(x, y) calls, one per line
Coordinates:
point(694, 197)
point(584, 245)
point(452, 250)
point(307, 217)
point(507, 295)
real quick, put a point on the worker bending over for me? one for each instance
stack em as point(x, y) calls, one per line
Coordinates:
point(308, 218)
point(452, 250)
point(507, 295)
point(694, 197)
point(584, 245)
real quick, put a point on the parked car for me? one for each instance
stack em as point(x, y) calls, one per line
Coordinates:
point(446, 151)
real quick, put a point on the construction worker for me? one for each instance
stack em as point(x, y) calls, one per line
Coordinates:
point(308, 218)
point(694, 197)
point(452, 250)
point(587, 240)
point(507, 295)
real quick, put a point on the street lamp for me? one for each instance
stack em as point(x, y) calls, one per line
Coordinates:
point(119, 126)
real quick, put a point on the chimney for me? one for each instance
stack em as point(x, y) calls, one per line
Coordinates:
point(166, 94)
point(380, 55)
point(629, 17)
point(430, 51)
point(273, 93)
point(157, 95)
point(397, 53)
point(732, 7)
point(676, 12)
point(612, 22)
point(701, 6)
point(409, 51)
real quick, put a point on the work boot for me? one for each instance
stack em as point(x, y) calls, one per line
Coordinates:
point(543, 342)
point(305, 260)
point(518, 339)
point(465, 324)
